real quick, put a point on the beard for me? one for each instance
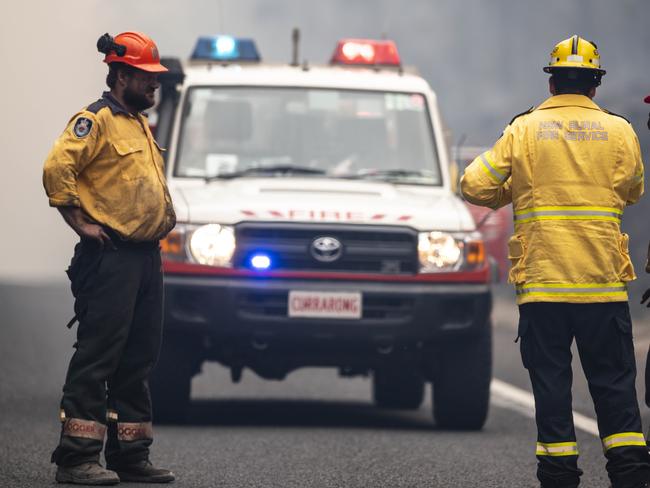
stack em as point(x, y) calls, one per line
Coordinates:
point(136, 100)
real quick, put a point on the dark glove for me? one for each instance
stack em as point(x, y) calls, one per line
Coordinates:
point(645, 297)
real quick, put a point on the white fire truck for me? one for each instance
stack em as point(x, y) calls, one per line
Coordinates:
point(317, 227)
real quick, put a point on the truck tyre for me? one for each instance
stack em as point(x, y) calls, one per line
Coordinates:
point(171, 380)
point(461, 383)
point(397, 389)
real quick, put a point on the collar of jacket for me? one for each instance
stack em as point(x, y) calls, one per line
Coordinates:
point(115, 106)
point(568, 101)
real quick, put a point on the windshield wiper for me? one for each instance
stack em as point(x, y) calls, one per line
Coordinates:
point(282, 169)
point(388, 173)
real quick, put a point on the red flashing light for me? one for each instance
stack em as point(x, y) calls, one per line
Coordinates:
point(366, 52)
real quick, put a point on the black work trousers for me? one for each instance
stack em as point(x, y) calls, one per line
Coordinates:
point(603, 335)
point(118, 302)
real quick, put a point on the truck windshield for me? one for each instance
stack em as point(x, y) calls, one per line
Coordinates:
point(230, 132)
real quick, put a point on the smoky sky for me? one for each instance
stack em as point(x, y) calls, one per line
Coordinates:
point(484, 59)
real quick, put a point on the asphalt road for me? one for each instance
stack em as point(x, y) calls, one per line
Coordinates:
point(312, 430)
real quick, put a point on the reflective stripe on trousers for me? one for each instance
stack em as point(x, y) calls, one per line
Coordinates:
point(85, 429)
point(576, 212)
point(557, 449)
point(623, 439)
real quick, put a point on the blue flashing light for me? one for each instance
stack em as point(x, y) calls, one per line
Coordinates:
point(225, 48)
point(260, 261)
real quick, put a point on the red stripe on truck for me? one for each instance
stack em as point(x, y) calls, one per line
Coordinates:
point(481, 275)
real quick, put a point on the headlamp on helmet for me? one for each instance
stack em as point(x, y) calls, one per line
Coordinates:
point(106, 44)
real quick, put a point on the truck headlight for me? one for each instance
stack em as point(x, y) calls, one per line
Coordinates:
point(438, 251)
point(213, 245)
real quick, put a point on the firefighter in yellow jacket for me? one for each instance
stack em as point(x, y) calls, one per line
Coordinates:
point(569, 168)
point(105, 176)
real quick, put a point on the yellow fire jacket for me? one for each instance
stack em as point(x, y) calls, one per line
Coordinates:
point(108, 163)
point(569, 168)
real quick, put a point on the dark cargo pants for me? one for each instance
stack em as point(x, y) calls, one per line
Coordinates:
point(119, 307)
point(603, 334)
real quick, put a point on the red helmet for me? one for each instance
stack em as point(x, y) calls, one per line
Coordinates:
point(141, 52)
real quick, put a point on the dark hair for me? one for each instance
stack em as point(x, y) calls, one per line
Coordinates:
point(575, 81)
point(114, 69)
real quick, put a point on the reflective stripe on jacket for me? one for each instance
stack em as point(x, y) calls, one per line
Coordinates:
point(569, 168)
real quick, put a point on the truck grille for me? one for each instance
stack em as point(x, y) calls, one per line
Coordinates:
point(364, 249)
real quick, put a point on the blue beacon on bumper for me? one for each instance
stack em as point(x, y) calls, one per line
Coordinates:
point(260, 261)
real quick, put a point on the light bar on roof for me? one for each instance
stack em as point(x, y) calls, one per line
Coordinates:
point(366, 52)
point(225, 49)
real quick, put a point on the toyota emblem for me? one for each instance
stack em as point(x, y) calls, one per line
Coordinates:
point(326, 249)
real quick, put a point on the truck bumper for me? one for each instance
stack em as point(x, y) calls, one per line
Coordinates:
point(255, 310)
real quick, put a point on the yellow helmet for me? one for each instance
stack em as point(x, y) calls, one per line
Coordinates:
point(577, 53)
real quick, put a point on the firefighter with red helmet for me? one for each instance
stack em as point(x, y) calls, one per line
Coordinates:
point(105, 176)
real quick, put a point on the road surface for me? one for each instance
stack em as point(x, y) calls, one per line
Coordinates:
point(312, 430)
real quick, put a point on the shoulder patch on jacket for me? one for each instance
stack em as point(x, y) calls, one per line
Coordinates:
point(82, 127)
point(522, 113)
point(96, 106)
point(616, 115)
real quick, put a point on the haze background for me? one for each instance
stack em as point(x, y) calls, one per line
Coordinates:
point(483, 58)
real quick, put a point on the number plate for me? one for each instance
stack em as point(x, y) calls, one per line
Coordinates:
point(325, 304)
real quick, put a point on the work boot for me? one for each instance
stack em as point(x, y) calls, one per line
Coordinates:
point(143, 472)
point(91, 473)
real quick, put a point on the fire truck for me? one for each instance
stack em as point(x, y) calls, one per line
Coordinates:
point(318, 227)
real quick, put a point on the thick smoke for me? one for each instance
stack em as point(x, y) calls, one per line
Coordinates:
point(483, 58)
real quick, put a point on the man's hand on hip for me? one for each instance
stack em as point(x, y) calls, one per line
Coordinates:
point(87, 229)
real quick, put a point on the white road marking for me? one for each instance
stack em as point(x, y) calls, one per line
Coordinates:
point(513, 398)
